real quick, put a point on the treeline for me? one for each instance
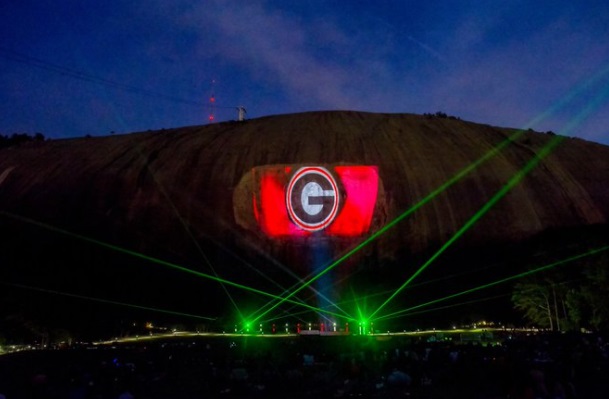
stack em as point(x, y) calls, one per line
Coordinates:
point(18, 138)
point(441, 115)
point(568, 294)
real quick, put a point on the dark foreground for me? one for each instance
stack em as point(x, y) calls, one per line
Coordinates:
point(539, 366)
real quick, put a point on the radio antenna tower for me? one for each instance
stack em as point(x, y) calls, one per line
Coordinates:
point(212, 103)
point(241, 113)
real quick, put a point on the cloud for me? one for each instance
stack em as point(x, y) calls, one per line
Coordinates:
point(279, 49)
point(514, 81)
point(313, 61)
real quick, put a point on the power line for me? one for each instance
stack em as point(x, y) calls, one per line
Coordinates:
point(76, 74)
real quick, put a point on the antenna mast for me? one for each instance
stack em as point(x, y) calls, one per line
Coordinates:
point(241, 113)
point(212, 103)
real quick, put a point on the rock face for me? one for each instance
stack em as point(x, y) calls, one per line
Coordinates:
point(175, 193)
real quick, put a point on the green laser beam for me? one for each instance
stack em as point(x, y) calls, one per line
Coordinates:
point(205, 258)
point(286, 314)
point(263, 275)
point(407, 213)
point(107, 301)
point(319, 311)
point(517, 178)
point(401, 217)
point(298, 316)
point(155, 260)
point(186, 227)
point(290, 312)
point(561, 103)
point(207, 276)
point(579, 89)
point(501, 281)
point(427, 282)
point(454, 305)
point(315, 293)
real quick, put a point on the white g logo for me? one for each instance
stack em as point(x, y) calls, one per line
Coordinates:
point(312, 198)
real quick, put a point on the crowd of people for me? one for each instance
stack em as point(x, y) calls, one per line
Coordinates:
point(557, 366)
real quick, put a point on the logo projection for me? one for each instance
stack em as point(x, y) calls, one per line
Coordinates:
point(312, 198)
point(298, 201)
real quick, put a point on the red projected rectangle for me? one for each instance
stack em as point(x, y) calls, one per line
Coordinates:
point(361, 186)
point(337, 201)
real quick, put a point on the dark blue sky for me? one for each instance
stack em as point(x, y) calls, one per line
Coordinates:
point(70, 68)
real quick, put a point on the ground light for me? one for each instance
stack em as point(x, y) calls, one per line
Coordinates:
point(365, 327)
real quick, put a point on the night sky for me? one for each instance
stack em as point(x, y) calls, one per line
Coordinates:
point(72, 68)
